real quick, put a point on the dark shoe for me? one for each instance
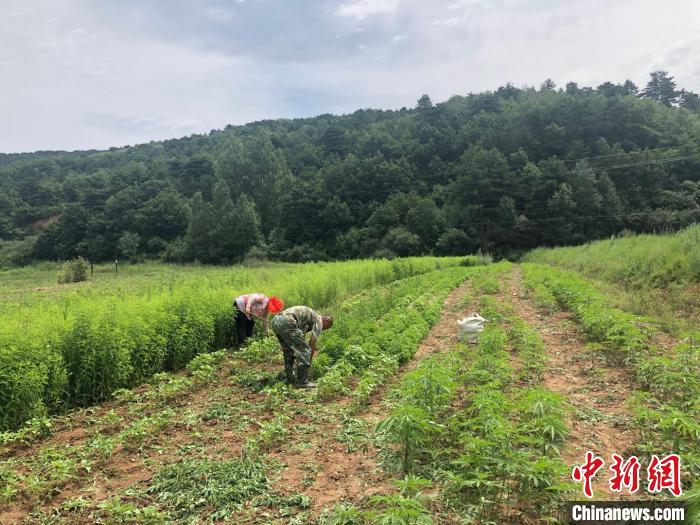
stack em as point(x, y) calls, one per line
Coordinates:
point(303, 378)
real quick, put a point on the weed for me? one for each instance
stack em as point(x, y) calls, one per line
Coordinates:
point(354, 434)
point(213, 487)
point(145, 429)
point(406, 508)
point(257, 380)
point(430, 387)
point(343, 514)
point(70, 349)
point(116, 511)
point(9, 481)
point(272, 433)
point(73, 271)
point(99, 447)
point(263, 350)
point(205, 367)
point(34, 430)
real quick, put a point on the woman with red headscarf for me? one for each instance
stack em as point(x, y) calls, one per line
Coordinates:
point(250, 306)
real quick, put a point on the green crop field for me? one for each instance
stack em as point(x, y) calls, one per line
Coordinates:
point(76, 345)
point(125, 400)
point(655, 275)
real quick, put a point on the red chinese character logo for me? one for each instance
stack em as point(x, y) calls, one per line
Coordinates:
point(586, 471)
point(665, 474)
point(626, 473)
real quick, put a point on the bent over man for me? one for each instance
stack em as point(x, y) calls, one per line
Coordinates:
point(291, 327)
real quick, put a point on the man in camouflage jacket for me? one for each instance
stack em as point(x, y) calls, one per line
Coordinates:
point(291, 327)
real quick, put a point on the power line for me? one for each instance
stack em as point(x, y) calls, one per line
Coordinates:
point(632, 152)
point(594, 170)
point(601, 169)
point(588, 217)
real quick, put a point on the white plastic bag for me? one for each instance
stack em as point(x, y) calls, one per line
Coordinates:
point(470, 328)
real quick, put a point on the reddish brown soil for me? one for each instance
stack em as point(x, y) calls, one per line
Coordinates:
point(344, 476)
point(599, 421)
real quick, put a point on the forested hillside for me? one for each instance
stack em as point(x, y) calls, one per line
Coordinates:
point(500, 172)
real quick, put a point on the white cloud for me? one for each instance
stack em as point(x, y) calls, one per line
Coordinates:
point(460, 4)
point(74, 77)
point(361, 9)
point(450, 21)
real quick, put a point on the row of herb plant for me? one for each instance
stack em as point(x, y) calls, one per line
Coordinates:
point(668, 403)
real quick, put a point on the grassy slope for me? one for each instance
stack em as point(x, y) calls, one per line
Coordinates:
point(655, 275)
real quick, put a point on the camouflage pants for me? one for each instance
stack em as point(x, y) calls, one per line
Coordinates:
point(294, 345)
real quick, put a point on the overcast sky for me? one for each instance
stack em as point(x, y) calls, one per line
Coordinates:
point(78, 74)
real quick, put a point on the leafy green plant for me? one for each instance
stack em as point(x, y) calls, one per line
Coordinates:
point(205, 367)
point(543, 418)
point(169, 388)
point(9, 481)
point(272, 433)
point(116, 511)
point(67, 350)
point(334, 383)
point(410, 428)
point(263, 350)
point(343, 514)
point(406, 508)
point(73, 271)
point(35, 429)
point(430, 387)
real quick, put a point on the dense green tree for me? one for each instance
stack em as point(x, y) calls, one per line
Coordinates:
point(164, 216)
point(548, 85)
point(199, 238)
point(689, 100)
point(129, 243)
point(402, 242)
point(454, 242)
point(427, 221)
point(63, 238)
point(499, 171)
point(424, 102)
point(661, 88)
point(571, 88)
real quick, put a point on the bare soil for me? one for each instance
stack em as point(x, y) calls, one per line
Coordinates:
point(600, 421)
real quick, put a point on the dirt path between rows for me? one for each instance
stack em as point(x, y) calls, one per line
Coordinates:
point(599, 421)
point(349, 477)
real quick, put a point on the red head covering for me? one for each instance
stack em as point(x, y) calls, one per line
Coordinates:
point(275, 305)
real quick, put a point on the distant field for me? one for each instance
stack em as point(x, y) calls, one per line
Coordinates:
point(42, 277)
point(660, 274)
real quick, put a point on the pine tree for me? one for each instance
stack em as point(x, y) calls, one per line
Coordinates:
point(661, 88)
point(199, 232)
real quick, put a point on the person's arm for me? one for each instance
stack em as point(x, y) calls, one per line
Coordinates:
point(266, 324)
point(312, 344)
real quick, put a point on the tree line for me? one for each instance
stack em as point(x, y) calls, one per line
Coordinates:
point(501, 172)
